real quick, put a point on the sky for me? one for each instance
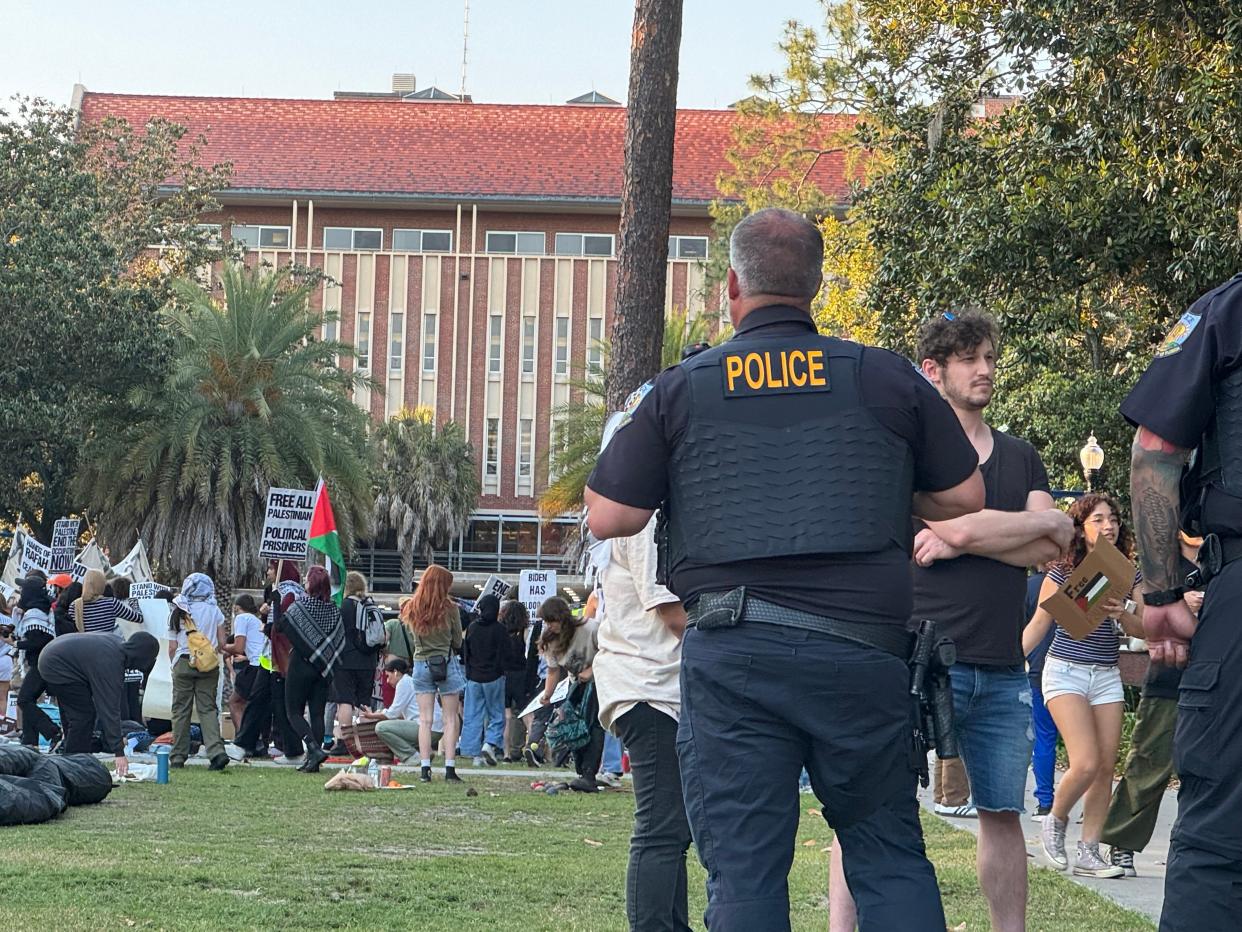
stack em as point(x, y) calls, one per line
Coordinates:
point(520, 51)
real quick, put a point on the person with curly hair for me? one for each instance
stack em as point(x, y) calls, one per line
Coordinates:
point(433, 622)
point(1082, 690)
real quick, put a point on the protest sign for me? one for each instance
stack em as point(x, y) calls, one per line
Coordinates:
point(286, 524)
point(534, 586)
point(146, 590)
point(558, 694)
point(64, 544)
point(35, 556)
point(1104, 574)
point(495, 586)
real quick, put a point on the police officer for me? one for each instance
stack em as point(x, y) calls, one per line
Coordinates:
point(1190, 398)
point(787, 465)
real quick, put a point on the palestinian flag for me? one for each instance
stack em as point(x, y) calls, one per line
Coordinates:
point(323, 537)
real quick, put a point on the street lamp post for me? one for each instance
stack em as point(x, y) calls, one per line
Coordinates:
point(1092, 458)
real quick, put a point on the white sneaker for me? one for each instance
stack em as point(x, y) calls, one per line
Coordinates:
point(967, 811)
point(608, 779)
point(1052, 840)
point(1090, 863)
point(478, 762)
point(234, 752)
point(489, 755)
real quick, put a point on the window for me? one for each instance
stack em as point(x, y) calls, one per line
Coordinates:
point(687, 247)
point(495, 328)
point(595, 342)
point(331, 328)
point(429, 341)
point(526, 244)
point(526, 447)
point(492, 443)
point(261, 237)
point(363, 337)
point(528, 345)
point(561, 366)
point(352, 238)
point(396, 342)
point(583, 244)
point(422, 241)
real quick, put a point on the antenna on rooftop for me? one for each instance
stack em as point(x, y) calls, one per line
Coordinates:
point(465, 46)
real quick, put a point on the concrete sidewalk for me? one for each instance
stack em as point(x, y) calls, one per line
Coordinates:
point(1144, 893)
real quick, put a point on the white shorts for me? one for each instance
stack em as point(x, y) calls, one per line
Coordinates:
point(6, 670)
point(1099, 684)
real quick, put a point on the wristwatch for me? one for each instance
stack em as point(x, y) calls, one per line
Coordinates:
point(1164, 597)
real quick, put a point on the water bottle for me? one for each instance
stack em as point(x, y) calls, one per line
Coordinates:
point(162, 752)
point(373, 771)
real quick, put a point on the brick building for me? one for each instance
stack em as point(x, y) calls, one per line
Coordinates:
point(473, 250)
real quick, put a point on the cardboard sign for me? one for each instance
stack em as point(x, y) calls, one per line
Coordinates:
point(286, 524)
point(495, 586)
point(64, 544)
point(1104, 574)
point(146, 590)
point(534, 586)
point(35, 556)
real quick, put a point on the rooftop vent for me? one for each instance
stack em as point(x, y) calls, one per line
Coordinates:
point(403, 84)
point(594, 99)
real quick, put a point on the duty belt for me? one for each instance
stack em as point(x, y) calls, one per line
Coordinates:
point(727, 609)
point(1214, 555)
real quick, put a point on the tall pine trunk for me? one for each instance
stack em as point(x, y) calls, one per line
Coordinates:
point(407, 566)
point(646, 198)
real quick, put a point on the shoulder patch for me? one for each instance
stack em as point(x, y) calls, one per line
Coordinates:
point(1184, 327)
point(632, 403)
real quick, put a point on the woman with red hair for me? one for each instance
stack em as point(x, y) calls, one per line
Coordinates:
point(317, 636)
point(434, 625)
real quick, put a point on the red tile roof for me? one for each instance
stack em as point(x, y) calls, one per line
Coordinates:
point(405, 149)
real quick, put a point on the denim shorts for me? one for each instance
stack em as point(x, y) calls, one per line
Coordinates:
point(992, 715)
point(1099, 684)
point(455, 683)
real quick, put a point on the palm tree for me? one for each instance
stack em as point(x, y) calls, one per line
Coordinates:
point(251, 400)
point(579, 424)
point(426, 484)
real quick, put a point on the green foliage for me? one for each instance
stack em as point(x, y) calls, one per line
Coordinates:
point(80, 309)
point(578, 425)
point(251, 400)
point(426, 484)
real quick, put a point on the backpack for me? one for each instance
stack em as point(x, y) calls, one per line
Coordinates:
point(203, 656)
point(370, 624)
point(570, 728)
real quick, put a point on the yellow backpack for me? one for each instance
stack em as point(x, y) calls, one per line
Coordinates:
point(203, 656)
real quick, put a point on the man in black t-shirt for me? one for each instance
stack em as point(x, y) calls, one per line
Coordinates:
point(970, 578)
point(787, 466)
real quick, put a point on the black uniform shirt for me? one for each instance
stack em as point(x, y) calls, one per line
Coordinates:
point(869, 587)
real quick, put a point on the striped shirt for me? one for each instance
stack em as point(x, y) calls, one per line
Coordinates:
point(100, 616)
point(1100, 647)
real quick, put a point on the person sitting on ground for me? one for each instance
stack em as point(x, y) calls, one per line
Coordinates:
point(86, 674)
point(35, 630)
point(353, 683)
point(314, 628)
point(570, 645)
point(397, 725)
point(434, 624)
point(97, 613)
point(195, 609)
point(485, 648)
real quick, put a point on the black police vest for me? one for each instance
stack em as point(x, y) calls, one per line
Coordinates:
point(781, 459)
point(1221, 468)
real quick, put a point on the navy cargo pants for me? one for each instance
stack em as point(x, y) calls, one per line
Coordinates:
point(759, 702)
point(1203, 883)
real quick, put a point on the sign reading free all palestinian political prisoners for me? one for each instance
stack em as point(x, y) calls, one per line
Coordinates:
point(64, 544)
point(286, 524)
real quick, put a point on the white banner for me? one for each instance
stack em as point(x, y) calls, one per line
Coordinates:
point(134, 565)
point(534, 586)
point(495, 586)
point(286, 524)
point(64, 544)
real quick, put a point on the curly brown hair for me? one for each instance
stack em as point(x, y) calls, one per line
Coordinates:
point(1081, 510)
point(945, 335)
point(557, 609)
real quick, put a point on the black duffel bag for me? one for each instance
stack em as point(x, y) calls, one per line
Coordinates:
point(25, 801)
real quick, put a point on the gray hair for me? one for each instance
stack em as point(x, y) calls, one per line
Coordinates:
point(779, 252)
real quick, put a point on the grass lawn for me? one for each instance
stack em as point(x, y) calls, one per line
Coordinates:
point(263, 848)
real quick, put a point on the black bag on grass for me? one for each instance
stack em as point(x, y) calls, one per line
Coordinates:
point(85, 780)
point(25, 801)
point(17, 761)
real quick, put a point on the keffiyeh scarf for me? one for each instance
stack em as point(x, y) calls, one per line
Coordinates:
point(316, 631)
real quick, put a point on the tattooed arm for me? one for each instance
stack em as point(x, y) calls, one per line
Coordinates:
point(1155, 475)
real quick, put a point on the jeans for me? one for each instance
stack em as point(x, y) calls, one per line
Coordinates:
point(757, 705)
point(612, 753)
point(77, 715)
point(454, 683)
point(35, 721)
point(992, 716)
point(1044, 756)
point(485, 702)
point(305, 687)
point(192, 688)
point(655, 882)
